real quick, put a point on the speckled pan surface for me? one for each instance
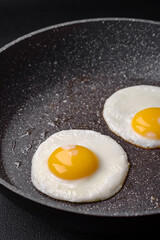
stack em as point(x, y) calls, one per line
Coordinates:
point(58, 78)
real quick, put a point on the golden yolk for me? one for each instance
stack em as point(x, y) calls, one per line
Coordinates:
point(147, 123)
point(72, 162)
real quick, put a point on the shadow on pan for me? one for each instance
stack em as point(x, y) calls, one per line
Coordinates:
point(58, 78)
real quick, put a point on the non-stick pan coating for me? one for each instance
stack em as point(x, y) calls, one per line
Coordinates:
point(59, 78)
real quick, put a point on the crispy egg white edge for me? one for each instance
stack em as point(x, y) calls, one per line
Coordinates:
point(127, 105)
point(104, 183)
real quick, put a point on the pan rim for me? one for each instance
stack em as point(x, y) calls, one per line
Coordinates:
point(13, 188)
point(59, 25)
point(20, 193)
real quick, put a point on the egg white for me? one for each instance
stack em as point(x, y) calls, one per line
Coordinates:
point(102, 184)
point(120, 108)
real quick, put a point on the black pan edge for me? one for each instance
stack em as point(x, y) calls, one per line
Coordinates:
point(72, 23)
point(27, 196)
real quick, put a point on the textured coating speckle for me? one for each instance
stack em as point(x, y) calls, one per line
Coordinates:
point(59, 79)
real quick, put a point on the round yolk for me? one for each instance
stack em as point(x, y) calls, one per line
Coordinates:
point(147, 123)
point(72, 162)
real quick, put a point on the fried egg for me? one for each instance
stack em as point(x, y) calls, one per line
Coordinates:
point(79, 166)
point(133, 113)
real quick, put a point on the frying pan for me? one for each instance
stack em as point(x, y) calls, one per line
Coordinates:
point(58, 78)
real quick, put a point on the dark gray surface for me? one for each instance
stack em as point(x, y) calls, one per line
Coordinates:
point(18, 19)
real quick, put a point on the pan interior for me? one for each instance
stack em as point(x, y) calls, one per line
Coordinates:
point(59, 79)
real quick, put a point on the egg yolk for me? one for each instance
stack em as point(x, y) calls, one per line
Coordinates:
point(147, 123)
point(72, 162)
